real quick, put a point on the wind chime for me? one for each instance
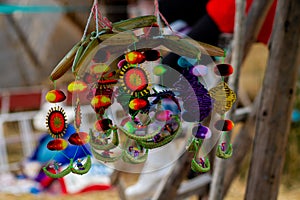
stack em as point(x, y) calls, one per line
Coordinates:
point(111, 66)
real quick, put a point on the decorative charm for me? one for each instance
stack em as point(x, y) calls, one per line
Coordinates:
point(224, 98)
point(56, 122)
point(55, 96)
point(112, 68)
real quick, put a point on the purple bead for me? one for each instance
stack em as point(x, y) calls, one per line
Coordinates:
point(136, 153)
point(201, 132)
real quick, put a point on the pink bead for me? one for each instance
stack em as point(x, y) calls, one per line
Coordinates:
point(163, 115)
point(121, 63)
point(199, 70)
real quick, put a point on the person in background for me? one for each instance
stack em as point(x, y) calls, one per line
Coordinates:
point(208, 19)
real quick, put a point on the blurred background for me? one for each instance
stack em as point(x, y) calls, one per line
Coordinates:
point(34, 39)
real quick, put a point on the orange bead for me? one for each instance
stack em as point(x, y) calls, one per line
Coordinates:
point(55, 96)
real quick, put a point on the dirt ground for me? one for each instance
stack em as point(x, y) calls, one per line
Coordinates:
point(236, 192)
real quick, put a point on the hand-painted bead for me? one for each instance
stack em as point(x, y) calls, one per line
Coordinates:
point(100, 102)
point(99, 68)
point(223, 70)
point(135, 57)
point(79, 139)
point(224, 125)
point(159, 70)
point(103, 125)
point(57, 144)
point(77, 86)
point(55, 96)
point(138, 104)
point(163, 115)
point(186, 62)
point(151, 55)
point(201, 132)
point(199, 70)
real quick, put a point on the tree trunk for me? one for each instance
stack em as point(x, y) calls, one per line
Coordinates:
point(276, 104)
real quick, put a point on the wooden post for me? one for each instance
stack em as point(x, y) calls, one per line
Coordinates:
point(276, 104)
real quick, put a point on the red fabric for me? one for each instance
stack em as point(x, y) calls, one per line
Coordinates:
point(222, 12)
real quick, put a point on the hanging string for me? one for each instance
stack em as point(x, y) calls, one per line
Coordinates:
point(95, 8)
point(101, 21)
point(87, 24)
point(159, 15)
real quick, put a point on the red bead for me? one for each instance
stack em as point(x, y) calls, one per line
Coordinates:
point(134, 57)
point(223, 70)
point(224, 125)
point(151, 55)
point(138, 104)
point(103, 125)
point(79, 139)
point(100, 102)
point(57, 144)
point(55, 96)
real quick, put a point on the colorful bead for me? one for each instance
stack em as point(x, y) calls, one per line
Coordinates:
point(55, 96)
point(135, 57)
point(201, 132)
point(133, 79)
point(163, 115)
point(77, 86)
point(57, 144)
point(100, 102)
point(199, 70)
point(186, 62)
point(138, 104)
point(223, 70)
point(103, 124)
point(79, 138)
point(99, 68)
point(224, 125)
point(151, 55)
point(56, 122)
point(224, 97)
point(159, 70)
point(121, 63)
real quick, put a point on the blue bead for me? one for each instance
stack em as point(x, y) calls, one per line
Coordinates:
point(186, 62)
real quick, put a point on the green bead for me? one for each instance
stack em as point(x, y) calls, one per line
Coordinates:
point(159, 70)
